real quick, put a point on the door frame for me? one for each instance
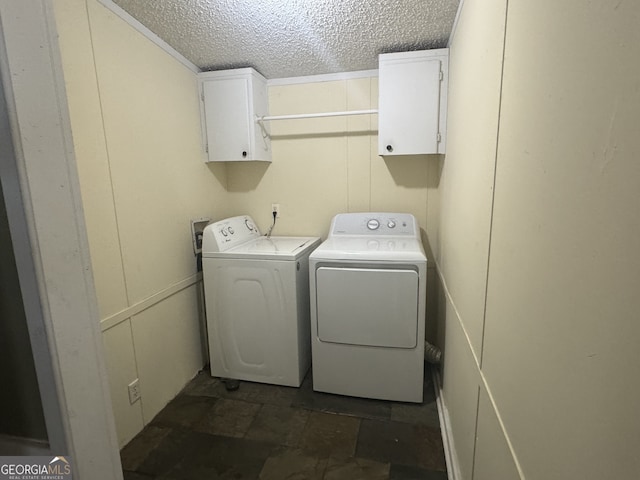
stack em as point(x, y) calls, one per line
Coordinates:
point(42, 196)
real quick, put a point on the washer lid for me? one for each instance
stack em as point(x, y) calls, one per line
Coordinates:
point(272, 248)
point(382, 249)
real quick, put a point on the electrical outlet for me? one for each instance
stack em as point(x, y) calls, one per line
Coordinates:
point(134, 391)
point(275, 207)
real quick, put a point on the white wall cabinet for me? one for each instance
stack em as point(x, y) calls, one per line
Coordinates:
point(230, 102)
point(412, 102)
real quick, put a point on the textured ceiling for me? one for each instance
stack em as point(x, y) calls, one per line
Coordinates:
point(290, 38)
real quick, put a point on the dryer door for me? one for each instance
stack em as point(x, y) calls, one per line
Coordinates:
point(367, 306)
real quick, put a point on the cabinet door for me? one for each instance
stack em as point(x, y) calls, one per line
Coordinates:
point(409, 106)
point(227, 119)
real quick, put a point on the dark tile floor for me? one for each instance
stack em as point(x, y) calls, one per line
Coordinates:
point(269, 432)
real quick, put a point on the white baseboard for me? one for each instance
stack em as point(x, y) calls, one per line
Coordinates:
point(453, 467)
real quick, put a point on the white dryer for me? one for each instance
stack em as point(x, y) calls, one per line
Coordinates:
point(257, 301)
point(368, 293)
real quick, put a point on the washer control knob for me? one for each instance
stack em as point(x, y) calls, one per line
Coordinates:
point(373, 224)
point(231, 230)
point(391, 224)
point(248, 224)
point(223, 232)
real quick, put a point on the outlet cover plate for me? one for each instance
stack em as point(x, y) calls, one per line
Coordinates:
point(134, 391)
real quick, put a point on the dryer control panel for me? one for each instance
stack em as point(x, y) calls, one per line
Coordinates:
point(375, 224)
point(225, 234)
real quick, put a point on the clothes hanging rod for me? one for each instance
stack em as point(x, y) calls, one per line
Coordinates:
point(268, 118)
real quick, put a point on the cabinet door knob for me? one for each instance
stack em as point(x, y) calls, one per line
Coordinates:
point(244, 154)
point(389, 148)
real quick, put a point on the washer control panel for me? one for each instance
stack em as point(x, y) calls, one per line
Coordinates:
point(228, 233)
point(395, 224)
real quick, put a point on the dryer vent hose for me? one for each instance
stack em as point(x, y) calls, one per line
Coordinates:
point(432, 354)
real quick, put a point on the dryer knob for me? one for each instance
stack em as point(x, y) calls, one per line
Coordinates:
point(391, 224)
point(373, 224)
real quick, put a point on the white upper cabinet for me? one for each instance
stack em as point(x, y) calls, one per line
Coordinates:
point(412, 102)
point(231, 102)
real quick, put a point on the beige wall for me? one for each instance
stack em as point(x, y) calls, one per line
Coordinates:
point(548, 358)
point(465, 216)
point(135, 120)
point(326, 166)
point(564, 266)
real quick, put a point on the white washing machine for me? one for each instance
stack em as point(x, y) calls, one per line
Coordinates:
point(257, 301)
point(368, 293)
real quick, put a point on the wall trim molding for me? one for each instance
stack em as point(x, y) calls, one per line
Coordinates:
point(117, 318)
point(327, 77)
point(450, 456)
point(476, 355)
point(482, 383)
point(455, 24)
point(136, 25)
